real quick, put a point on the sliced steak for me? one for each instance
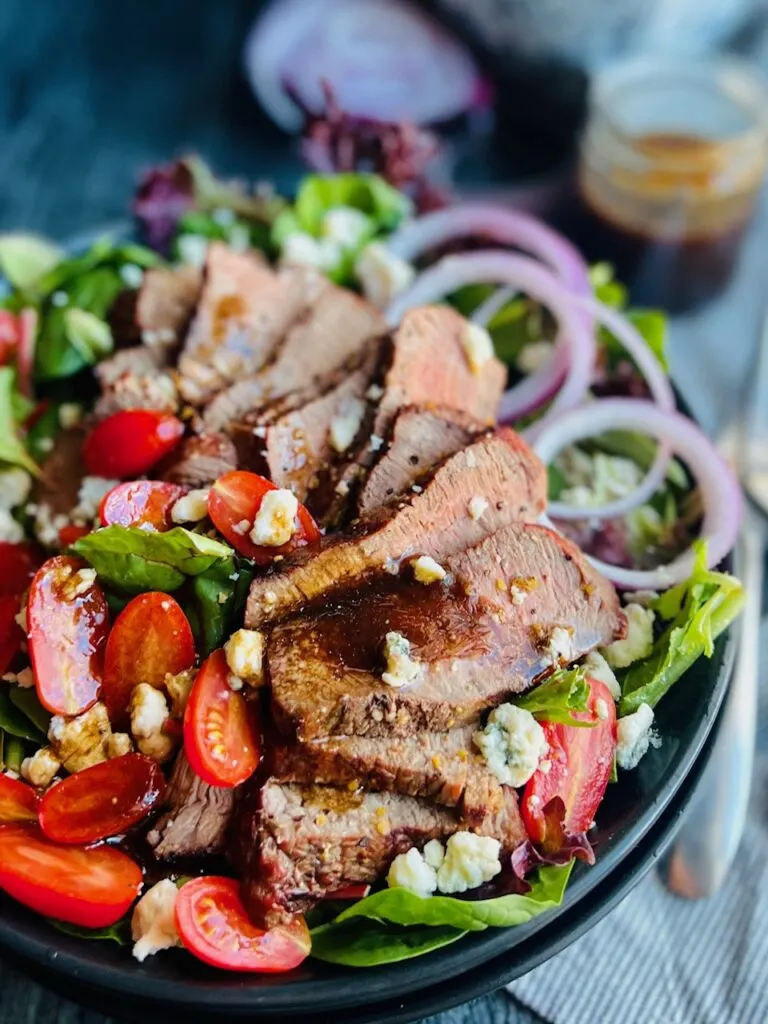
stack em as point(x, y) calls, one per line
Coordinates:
point(140, 361)
point(244, 312)
point(443, 766)
point(158, 311)
point(200, 460)
point(421, 438)
point(62, 473)
point(307, 841)
point(499, 468)
point(512, 608)
point(197, 819)
point(334, 330)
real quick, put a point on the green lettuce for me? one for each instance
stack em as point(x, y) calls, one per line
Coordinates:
point(558, 698)
point(15, 722)
point(697, 611)
point(650, 323)
point(25, 259)
point(396, 924)
point(12, 448)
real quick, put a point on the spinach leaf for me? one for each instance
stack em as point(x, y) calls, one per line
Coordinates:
point(44, 430)
point(119, 932)
point(428, 922)
point(216, 602)
point(25, 259)
point(12, 448)
point(135, 560)
point(559, 697)
point(15, 722)
point(26, 700)
point(13, 751)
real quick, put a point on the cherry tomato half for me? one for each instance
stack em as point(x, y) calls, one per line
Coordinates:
point(18, 563)
point(68, 626)
point(18, 801)
point(234, 500)
point(214, 926)
point(141, 503)
point(91, 887)
point(221, 737)
point(129, 443)
point(71, 533)
point(102, 801)
point(11, 633)
point(150, 638)
point(581, 762)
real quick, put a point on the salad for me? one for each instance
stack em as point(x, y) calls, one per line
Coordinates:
point(348, 542)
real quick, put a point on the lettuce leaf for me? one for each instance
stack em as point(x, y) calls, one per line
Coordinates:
point(319, 193)
point(697, 611)
point(25, 259)
point(14, 721)
point(12, 448)
point(216, 598)
point(135, 560)
point(119, 932)
point(557, 698)
point(427, 923)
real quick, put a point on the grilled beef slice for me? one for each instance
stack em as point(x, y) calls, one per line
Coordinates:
point(422, 436)
point(334, 330)
point(200, 460)
point(499, 467)
point(62, 472)
point(521, 602)
point(158, 311)
point(306, 841)
point(198, 815)
point(244, 312)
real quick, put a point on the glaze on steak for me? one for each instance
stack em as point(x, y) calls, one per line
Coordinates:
point(197, 819)
point(201, 459)
point(158, 311)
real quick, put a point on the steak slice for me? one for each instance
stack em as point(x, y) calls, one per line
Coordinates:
point(198, 818)
point(62, 473)
point(244, 312)
point(499, 468)
point(306, 841)
point(201, 459)
point(521, 602)
point(335, 329)
point(421, 438)
point(158, 311)
point(442, 766)
point(140, 361)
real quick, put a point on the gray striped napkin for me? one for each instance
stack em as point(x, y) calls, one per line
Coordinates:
point(658, 959)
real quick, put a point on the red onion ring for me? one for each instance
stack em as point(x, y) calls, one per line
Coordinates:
point(663, 395)
point(719, 487)
point(497, 224)
point(575, 343)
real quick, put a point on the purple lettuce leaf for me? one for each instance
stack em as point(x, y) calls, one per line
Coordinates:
point(560, 847)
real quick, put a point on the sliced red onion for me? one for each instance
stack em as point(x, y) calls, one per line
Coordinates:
point(574, 346)
point(720, 491)
point(497, 224)
point(385, 60)
point(661, 390)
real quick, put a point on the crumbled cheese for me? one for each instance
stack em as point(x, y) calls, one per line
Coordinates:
point(191, 507)
point(242, 527)
point(561, 648)
point(303, 249)
point(342, 488)
point(21, 618)
point(598, 668)
point(376, 443)
point(153, 924)
point(374, 392)
point(11, 532)
point(15, 485)
point(25, 679)
point(391, 566)
point(633, 735)
point(275, 522)
point(434, 853)
point(346, 226)
point(346, 423)
point(382, 274)
point(469, 861)
point(596, 479)
point(643, 597)
point(119, 744)
point(533, 356)
point(410, 871)
point(426, 570)
point(223, 216)
point(41, 768)
point(601, 709)
point(517, 595)
point(477, 345)
point(477, 506)
point(92, 492)
point(47, 525)
point(149, 710)
point(512, 744)
point(82, 741)
point(401, 667)
point(59, 299)
point(179, 687)
point(192, 249)
point(132, 275)
point(260, 432)
point(638, 642)
point(245, 655)
point(70, 414)
point(80, 583)
point(239, 238)
point(45, 444)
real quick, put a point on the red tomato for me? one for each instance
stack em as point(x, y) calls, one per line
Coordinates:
point(214, 926)
point(581, 763)
point(102, 801)
point(141, 503)
point(67, 635)
point(90, 887)
point(69, 534)
point(150, 638)
point(9, 336)
point(129, 443)
point(25, 357)
point(11, 633)
point(350, 892)
point(18, 801)
point(235, 499)
point(18, 563)
point(221, 739)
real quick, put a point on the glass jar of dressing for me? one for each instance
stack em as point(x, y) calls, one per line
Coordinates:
point(671, 166)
